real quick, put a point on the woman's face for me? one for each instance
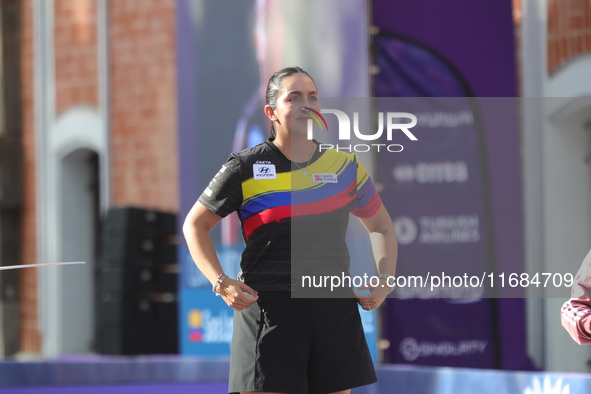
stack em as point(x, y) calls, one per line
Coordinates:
point(298, 91)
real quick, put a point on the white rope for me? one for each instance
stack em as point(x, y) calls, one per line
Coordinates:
point(13, 267)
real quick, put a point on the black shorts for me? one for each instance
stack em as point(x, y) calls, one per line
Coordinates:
point(299, 345)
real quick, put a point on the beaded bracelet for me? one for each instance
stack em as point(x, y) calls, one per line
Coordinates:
point(216, 286)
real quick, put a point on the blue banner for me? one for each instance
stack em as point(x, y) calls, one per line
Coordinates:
point(206, 324)
point(205, 319)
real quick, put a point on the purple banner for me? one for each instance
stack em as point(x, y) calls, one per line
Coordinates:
point(455, 194)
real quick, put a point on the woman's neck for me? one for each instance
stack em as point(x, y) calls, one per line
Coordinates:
point(299, 150)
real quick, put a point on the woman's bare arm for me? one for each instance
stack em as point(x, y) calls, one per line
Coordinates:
point(198, 223)
point(385, 252)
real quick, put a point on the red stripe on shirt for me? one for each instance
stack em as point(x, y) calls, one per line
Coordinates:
point(314, 208)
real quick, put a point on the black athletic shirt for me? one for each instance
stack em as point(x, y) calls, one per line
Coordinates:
point(291, 221)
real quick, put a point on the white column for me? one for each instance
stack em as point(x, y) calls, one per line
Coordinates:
point(533, 76)
point(44, 102)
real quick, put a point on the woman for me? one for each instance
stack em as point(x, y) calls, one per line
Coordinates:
point(284, 344)
point(575, 314)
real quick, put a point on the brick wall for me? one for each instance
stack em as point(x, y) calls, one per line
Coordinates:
point(75, 40)
point(569, 31)
point(143, 103)
point(30, 340)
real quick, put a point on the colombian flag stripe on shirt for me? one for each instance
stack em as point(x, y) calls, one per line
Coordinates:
point(292, 194)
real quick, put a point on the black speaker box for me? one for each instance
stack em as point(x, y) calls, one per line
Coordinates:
point(137, 283)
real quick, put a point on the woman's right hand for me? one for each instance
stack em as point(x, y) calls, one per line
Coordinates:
point(237, 295)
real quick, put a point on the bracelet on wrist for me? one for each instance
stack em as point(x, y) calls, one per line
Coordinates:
point(218, 282)
point(386, 277)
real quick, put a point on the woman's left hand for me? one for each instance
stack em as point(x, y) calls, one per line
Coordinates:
point(374, 298)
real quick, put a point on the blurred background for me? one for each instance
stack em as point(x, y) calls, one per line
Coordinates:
point(115, 115)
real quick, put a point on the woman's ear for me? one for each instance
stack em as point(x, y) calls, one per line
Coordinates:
point(270, 112)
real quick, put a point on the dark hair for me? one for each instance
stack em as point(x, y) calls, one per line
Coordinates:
point(274, 87)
